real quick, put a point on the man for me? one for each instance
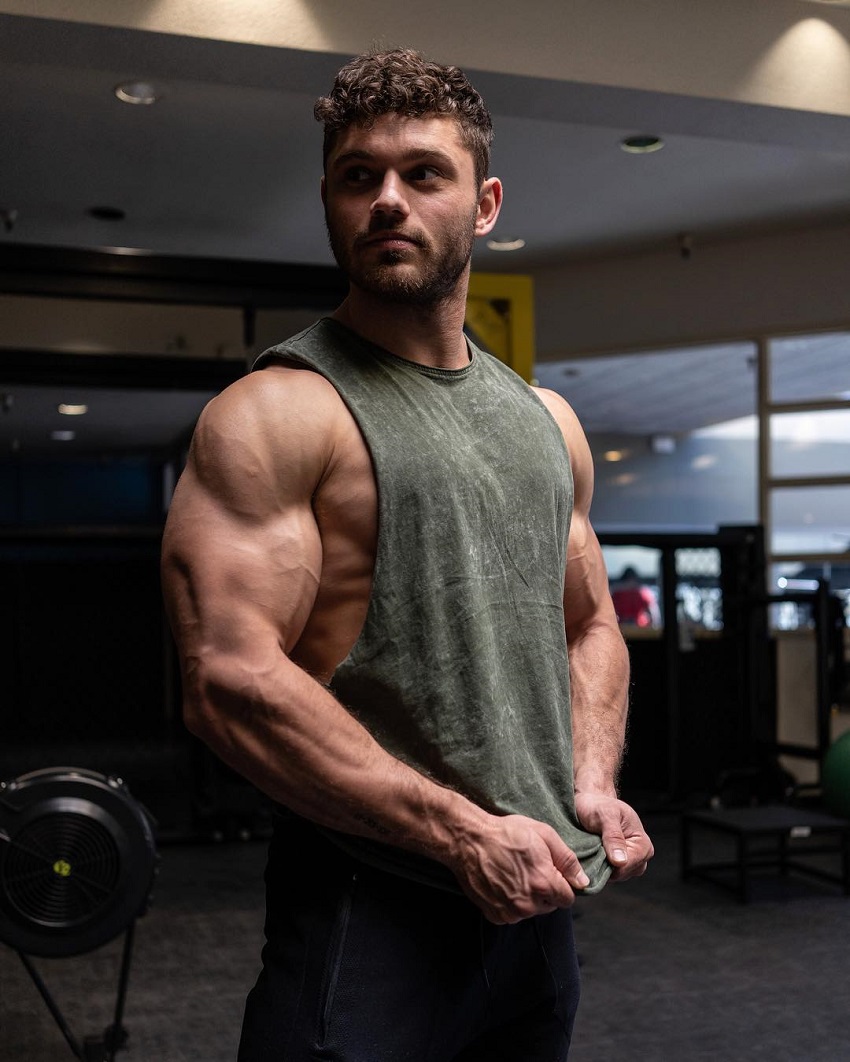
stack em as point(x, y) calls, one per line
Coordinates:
point(635, 604)
point(365, 569)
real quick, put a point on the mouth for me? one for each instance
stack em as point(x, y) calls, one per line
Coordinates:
point(389, 240)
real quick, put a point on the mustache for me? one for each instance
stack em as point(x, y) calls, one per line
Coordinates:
point(382, 228)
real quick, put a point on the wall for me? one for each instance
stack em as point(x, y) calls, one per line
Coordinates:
point(786, 53)
point(87, 326)
point(789, 281)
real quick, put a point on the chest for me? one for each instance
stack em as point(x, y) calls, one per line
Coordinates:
point(435, 472)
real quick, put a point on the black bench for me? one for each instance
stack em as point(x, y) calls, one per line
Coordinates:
point(769, 836)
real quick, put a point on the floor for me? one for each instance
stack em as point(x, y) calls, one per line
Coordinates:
point(672, 971)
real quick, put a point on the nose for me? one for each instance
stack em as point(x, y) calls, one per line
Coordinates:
point(390, 197)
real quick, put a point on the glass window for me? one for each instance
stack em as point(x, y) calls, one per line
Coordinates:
point(810, 367)
point(698, 594)
point(673, 435)
point(810, 444)
point(634, 575)
point(810, 520)
point(795, 577)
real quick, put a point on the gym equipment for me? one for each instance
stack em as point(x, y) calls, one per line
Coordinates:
point(704, 710)
point(77, 866)
point(698, 705)
point(772, 836)
point(835, 776)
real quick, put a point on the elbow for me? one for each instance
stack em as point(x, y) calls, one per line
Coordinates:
point(601, 626)
point(204, 711)
point(197, 715)
point(226, 700)
point(202, 721)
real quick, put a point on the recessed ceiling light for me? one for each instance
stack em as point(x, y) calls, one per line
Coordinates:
point(641, 145)
point(615, 455)
point(662, 444)
point(142, 92)
point(73, 409)
point(106, 213)
point(505, 243)
point(63, 436)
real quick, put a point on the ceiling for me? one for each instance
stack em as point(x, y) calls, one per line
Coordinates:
point(132, 420)
point(227, 163)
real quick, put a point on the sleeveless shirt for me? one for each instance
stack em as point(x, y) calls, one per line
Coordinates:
point(461, 668)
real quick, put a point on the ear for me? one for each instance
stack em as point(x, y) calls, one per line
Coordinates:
point(489, 205)
point(324, 191)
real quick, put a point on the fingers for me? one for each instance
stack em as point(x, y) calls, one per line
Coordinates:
point(609, 823)
point(635, 863)
point(564, 860)
point(519, 869)
point(627, 846)
point(616, 849)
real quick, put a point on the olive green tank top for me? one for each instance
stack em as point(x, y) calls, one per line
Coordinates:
point(461, 667)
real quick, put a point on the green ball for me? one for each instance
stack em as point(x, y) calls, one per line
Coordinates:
point(835, 777)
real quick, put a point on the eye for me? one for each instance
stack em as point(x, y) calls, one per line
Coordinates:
point(423, 173)
point(357, 175)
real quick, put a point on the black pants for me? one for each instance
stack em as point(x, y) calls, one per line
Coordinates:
point(364, 966)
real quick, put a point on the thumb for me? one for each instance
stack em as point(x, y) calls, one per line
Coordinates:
point(614, 843)
point(566, 862)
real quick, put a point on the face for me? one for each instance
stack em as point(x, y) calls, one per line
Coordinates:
point(403, 208)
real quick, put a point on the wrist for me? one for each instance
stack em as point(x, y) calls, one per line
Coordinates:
point(593, 783)
point(456, 827)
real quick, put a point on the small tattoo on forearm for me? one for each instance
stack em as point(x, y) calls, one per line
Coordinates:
point(367, 820)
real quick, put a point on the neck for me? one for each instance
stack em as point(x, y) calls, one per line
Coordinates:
point(429, 335)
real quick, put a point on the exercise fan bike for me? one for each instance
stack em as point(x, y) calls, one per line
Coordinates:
point(77, 864)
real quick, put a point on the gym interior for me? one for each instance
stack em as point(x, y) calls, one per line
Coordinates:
point(684, 290)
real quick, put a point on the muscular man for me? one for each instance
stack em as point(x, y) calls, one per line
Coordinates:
point(376, 564)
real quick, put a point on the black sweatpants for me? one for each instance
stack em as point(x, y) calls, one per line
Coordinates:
point(364, 966)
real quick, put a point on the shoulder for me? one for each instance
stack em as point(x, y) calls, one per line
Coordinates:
point(560, 409)
point(277, 398)
point(278, 391)
point(581, 460)
point(566, 419)
point(268, 426)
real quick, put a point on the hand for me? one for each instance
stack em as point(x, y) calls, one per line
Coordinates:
point(626, 844)
point(516, 868)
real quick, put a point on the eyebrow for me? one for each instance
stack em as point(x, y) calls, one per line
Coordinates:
point(413, 155)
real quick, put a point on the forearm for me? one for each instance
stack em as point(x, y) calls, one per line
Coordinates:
point(290, 737)
point(599, 676)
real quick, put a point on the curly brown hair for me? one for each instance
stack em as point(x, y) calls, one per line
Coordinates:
point(403, 82)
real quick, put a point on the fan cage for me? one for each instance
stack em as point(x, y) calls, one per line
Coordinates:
point(77, 861)
point(61, 870)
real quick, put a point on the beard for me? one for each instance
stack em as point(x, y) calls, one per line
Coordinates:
point(392, 277)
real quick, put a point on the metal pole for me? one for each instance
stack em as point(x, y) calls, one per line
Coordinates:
point(52, 1007)
point(117, 1034)
point(822, 654)
point(671, 658)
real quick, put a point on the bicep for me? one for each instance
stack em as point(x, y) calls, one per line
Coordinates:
point(242, 554)
point(587, 600)
point(229, 578)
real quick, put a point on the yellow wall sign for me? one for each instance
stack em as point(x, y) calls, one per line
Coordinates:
point(500, 316)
